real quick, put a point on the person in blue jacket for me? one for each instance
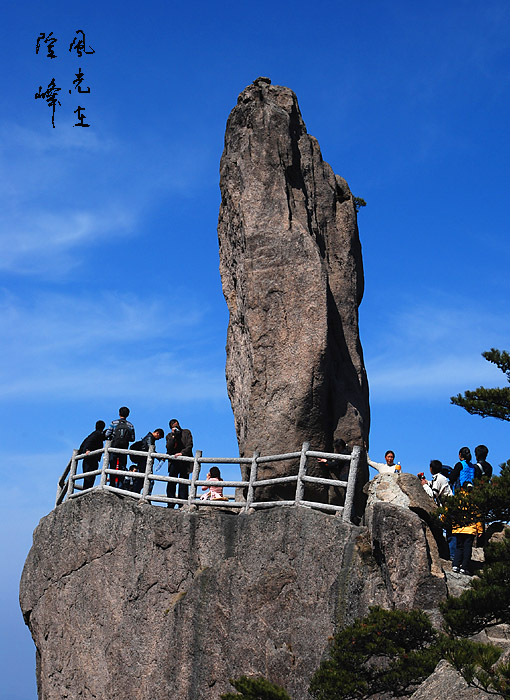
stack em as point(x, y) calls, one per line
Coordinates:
point(464, 471)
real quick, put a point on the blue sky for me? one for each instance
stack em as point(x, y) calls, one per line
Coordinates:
point(110, 292)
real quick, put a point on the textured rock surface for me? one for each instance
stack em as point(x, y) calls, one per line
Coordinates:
point(446, 683)
point(291, 268)
point(128, 601)
point(405, 490)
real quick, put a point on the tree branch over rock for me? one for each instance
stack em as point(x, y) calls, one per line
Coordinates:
point(494, 403)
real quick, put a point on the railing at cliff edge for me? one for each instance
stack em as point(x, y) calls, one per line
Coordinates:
point(67, 487)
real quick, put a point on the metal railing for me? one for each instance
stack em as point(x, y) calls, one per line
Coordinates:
point(68, 487)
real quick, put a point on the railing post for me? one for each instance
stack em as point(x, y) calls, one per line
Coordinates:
point(351, 484)
point(60, 486)
point(72, 472)
point(300, 486)
point(194, 476)
point(252, 479)
point(148, 471)
point(106, 463)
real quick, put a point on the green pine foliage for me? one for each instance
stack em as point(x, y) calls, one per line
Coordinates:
point(489, 402)
point(389, 651)
point(358, 203)
point(476, 662)
point(487, 601)
point(488, 502)
point(255, 689)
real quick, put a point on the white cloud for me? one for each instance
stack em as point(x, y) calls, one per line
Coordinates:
point(66, 191)
point(65, 346)
point(44, 242)
point(443, 375)
point(434, 349)
point(112, 376)
point(57, 323)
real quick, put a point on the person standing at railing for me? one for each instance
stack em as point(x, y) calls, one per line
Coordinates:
point(340, 448)
point(92, 442)
point(179, 442)
point(121, 432)
point(140, 463)
point(339, 470)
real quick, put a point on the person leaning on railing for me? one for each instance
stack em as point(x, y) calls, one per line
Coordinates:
point(339, 469)
point(340, 448)
point(140, 463)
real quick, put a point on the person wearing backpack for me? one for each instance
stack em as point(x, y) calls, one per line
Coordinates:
point(140, 463)
point(438, 488)
point(121, 432)
point(481, 452)
point(463, 471)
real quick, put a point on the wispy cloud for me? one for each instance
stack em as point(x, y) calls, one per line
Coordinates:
point(66, 192)
point(434, 349)
point(108, 377)
point(40, 241)
point(62, 346)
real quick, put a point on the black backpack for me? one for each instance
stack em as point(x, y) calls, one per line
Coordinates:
point(120, 435)
point(446, 471)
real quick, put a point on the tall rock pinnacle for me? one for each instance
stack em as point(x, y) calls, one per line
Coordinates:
point(292, 275)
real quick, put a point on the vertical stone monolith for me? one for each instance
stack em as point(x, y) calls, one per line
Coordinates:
point(292, 275)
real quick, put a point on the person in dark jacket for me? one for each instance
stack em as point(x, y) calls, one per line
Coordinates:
point(140, 463)
point(481, 452)
point(92, 442)
point(337, 469)
point(179, 442)
point(121, 432)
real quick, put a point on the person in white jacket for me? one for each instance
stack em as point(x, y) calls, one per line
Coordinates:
point(438, 486)
point(389, 468)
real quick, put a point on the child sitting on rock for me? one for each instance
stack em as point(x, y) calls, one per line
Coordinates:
point(214, 493)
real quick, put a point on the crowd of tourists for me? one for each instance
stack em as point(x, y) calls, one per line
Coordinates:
point(448, 481)
point(445, 480)
point(121, 434)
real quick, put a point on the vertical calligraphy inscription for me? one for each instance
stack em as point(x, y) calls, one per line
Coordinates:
point(78, 47)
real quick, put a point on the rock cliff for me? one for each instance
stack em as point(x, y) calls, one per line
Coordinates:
point(128, 601)
point(292, 275)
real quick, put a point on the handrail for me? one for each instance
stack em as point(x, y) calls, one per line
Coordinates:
point(68, 488)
